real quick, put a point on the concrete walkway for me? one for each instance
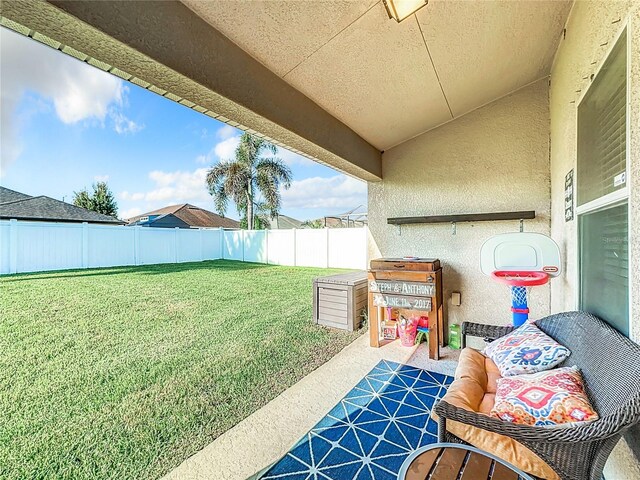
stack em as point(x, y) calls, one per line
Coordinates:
point(266, 435)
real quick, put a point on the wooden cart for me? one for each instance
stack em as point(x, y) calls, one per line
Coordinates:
point(413, 287)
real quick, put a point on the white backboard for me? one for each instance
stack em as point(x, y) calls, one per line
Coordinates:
point(520, 251)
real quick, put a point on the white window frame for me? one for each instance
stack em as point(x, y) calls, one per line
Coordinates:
point(620, 195)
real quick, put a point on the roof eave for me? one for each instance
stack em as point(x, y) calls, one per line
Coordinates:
point(60, 220)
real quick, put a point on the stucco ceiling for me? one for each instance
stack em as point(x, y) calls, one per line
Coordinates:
point(387, 81)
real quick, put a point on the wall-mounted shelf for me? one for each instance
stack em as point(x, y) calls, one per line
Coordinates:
point(466, 217)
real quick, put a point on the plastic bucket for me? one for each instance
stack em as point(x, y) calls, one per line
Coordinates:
point(408, 333)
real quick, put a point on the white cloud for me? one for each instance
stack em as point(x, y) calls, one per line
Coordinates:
point(130, 212)
point(124, 125)
point(78, 92)
point(101, 178)
point(169, 188)
point(172, 188)
point(226, 149)
point(226, 131)
point(339, 191)
point(125, 195)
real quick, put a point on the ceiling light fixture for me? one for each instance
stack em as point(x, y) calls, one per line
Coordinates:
point(401, 9)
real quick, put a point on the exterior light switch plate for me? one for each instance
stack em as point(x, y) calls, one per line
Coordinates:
point(456, 298)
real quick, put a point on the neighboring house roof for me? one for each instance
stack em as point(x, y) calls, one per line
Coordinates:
point(191, 215)
point(7, 195)
point(45, 209)
point(168, 220)
point(284, 222)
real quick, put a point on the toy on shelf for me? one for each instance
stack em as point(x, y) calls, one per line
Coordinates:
point(389, 329)
point(422, 335)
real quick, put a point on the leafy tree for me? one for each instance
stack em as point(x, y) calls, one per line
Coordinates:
point(313, 224)
point(261, 217)
point(259, 223)
point(82, 199)
point(101, 200)
point(248, 176)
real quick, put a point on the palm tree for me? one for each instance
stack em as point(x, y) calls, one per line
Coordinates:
point(247, 175)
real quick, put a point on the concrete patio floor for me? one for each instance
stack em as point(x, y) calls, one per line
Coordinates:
point(266, 435)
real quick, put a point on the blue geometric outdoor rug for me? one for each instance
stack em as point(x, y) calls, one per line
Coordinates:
point(371, 431)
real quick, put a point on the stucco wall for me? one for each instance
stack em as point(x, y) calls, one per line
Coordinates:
point(591, 29)
point(591, 25)
point(494, 159)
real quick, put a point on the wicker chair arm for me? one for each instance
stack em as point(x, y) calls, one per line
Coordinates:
point(485, 331)
point(526, 434)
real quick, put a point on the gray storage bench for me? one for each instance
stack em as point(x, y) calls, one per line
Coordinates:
point(339, 300)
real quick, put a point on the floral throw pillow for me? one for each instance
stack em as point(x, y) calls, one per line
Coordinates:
point(525, 350)
point(544, 399)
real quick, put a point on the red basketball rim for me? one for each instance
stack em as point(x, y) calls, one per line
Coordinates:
point(520, 278)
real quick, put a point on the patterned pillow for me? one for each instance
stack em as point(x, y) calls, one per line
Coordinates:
point(544, 399)
point(525, 350)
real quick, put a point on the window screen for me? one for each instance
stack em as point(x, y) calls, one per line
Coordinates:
point(604, 265)
point(602, 129)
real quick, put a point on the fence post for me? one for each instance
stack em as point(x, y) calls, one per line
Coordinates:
point(136, 245)
point(85, 245)
point(13, 246)
point(201, 244)
point(295, 248)
point(243, 239)
point(222, 243)
point(175, 244)
point(326, 229)
point(266, 244)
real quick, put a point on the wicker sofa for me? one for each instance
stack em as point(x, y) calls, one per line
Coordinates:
point(610, 365)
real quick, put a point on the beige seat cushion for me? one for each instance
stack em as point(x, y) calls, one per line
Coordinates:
point(474, 389)
point(474, 365)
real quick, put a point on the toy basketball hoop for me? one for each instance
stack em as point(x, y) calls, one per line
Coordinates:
point(521, 261)
point(520, 283)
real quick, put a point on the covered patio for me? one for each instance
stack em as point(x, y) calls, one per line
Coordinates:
point(271, 431)
point(461, 108)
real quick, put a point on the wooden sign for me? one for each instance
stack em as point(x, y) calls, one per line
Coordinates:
point(403, 288)
point(568, 196)
point(396, 301)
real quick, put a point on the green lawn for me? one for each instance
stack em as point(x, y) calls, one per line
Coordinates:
point(125, 372)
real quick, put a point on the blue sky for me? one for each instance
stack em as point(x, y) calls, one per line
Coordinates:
point(66, 124)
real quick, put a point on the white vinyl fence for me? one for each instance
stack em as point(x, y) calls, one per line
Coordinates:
point(41, 246)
